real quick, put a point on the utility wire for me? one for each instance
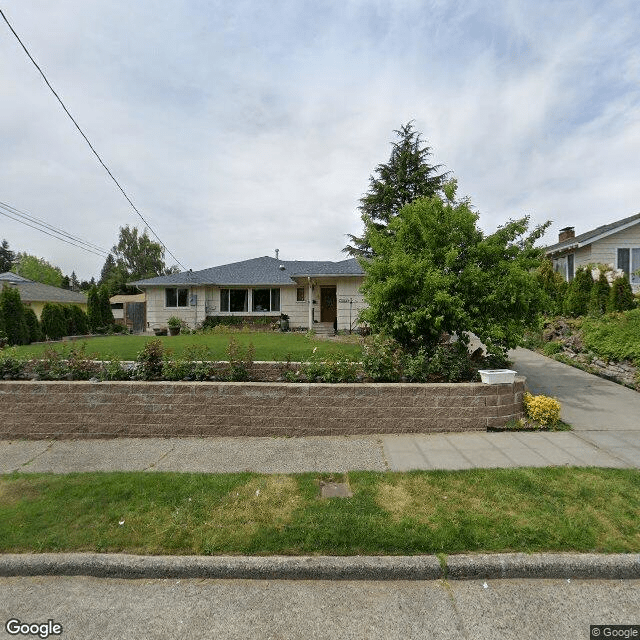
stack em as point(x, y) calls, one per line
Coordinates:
point(87, 140)
point(102, 255)
point(46, 225)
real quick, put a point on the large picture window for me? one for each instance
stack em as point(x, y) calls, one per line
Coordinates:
point(629, 262)
point(266, 300)
point(234, 300)
point(176, 297)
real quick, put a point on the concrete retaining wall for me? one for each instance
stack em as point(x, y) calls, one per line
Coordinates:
point(41, 409)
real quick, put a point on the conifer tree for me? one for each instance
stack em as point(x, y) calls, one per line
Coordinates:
point(621, 295)
point(599, 295)
point(404, 178)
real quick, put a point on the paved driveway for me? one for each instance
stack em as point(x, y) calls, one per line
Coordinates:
point(589, 403)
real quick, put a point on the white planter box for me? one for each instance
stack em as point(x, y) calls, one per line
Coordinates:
point(497, 376)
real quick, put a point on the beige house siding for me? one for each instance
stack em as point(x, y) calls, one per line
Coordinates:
point(605, 251)
point(349, 300)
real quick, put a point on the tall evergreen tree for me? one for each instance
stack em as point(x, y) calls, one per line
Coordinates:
point(14, 323)
point(404, 178)
point(6, 257)
point(74, 283)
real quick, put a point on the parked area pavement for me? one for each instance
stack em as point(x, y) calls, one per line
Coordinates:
point(325, 453)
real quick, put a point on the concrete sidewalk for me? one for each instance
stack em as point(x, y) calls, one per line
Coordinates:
point(325, 454)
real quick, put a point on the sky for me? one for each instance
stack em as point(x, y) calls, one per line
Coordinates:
point(243, 126)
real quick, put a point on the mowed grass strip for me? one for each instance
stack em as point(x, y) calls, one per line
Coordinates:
point(268, 345)
point(489, 510)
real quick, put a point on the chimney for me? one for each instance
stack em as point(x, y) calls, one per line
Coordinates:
point(277, 252)
point(566, 234)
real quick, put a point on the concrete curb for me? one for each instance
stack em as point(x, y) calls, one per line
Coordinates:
point(457, 567)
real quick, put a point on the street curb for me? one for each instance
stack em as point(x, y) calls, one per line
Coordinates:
point(456, 567)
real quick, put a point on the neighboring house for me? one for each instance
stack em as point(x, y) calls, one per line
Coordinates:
point(36, 295)
point(616, 244)
point(130, 311)
point(318, 295)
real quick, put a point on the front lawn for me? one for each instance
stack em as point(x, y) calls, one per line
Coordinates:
point(268, 345)
point(421, 512)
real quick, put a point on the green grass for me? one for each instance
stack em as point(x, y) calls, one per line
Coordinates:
point(268, 345)
point(438, 512)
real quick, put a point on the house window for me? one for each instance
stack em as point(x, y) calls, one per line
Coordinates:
point(175, 297)
point(300, 294)
point(565, 266)
point(234, 300)
point(629, 262)
point(266, 300)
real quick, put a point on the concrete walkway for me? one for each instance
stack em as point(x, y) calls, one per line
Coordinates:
point(589, 403)
point(324, 454)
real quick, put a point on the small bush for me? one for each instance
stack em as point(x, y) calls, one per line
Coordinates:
point(332, 368)
point(382, 359)
point(551, 348)
point(12, 365)
point(599, 295)
point(114, 369)
point(150, 361)
point(542, 409)
point(51, 366)
point(621, 295)
point(240, 361)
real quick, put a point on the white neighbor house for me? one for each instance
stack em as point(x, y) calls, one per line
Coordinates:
point(616, 244)
point(318, 295)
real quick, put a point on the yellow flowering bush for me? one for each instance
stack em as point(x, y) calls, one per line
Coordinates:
point(542, 409)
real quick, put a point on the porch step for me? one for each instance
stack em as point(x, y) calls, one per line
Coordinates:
point(323, 328)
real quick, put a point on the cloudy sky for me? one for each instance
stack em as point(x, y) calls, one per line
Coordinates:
point(240, 127)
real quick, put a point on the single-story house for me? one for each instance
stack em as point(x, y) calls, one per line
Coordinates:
point(616, 244)
point(36, 294)
point(314, 294)
point(129, 311)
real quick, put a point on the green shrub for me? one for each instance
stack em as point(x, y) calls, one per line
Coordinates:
point(14, 324)
point(240, 361)
point(621, 295)
point(80, 365)
point(579, 293)
point(553, 286)
point(50, 366)
point(35, 332)
point(94, 314)
point(447, 363)
point(76, 319)
point(113, 369)
point(614, 337)
point(332, 368)
point(150, 361)
point(53, 321)
point(12, 364)
point(599, 297)
point(551, 348)
point(382, 358)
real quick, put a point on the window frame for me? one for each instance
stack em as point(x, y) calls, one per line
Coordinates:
point(178, 296)
point(304, 294)
point(633, 262)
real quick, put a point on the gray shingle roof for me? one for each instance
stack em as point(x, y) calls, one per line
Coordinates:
point(588, 236)
point(31, 291)
point(257, 271)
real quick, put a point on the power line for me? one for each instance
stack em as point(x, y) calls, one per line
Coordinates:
point(46, 225)
point(87, 140)
point(102, 255)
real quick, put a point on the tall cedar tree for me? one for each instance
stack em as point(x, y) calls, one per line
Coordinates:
point(53, 321)
point(599, 295)
point(406, 177)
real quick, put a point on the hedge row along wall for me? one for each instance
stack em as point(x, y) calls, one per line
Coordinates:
point(137, 409)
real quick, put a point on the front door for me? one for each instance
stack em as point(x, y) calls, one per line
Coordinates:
point(328, 304)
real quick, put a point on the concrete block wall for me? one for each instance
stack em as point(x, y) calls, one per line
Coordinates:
point(39, 409)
